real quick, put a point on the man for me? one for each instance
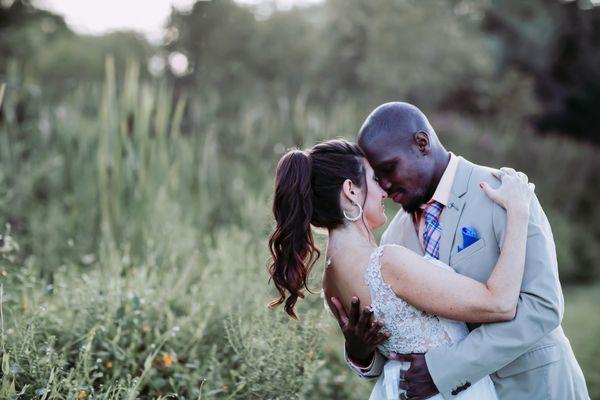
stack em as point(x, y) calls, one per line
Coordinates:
point(528, 357)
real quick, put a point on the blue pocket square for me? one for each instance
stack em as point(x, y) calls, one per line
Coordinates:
point(469, 236)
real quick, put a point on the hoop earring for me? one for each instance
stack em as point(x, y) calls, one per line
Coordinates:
point(359, 216)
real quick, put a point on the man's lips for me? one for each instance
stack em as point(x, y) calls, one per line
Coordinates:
point(396, 196)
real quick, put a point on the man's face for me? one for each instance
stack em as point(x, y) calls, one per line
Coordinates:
point(403, 172)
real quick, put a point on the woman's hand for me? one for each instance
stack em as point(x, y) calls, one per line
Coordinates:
point(515, 193)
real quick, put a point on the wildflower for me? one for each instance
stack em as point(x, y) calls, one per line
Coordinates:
point(108, 364)
point(82, 394)
point(25, 307)
point(167, 360)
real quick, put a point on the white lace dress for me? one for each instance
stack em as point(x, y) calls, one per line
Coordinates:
point(412, 331)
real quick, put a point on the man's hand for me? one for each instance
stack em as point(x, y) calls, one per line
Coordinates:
point(416, 380)
point(362, 336)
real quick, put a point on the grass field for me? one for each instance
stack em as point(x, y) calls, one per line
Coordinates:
point(133, 264)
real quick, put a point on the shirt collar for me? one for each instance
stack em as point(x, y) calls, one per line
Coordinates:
point(444, 187)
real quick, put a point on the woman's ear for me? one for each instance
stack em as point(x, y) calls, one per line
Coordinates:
point(350, 191)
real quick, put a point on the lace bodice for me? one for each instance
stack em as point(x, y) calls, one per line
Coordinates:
point(412, 330)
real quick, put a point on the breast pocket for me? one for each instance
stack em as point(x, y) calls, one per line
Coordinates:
point(469, 252)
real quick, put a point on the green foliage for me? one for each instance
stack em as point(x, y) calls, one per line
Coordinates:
point(141, 209)
point(563, 37)
point(140, 269)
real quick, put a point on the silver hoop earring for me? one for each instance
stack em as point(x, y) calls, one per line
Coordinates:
point(359, 216)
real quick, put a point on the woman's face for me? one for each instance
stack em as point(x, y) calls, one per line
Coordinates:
point(374, 208)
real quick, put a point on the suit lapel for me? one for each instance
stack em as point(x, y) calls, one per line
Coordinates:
point(454, 209)
point(449, 223)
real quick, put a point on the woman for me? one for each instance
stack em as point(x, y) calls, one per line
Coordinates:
point(332, 186)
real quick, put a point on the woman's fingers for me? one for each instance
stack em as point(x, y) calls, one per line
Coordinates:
point(489, 191)
point(498, 174)
point(509, 171)
point(523, 176)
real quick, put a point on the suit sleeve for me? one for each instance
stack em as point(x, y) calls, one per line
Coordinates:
point(539, 311)
point(372, 371)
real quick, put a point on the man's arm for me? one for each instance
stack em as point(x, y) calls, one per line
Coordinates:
point(539, 311)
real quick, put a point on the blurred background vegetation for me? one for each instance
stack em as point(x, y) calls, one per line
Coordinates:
point(136, 178)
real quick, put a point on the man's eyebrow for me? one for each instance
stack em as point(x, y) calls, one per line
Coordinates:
point(386, 162)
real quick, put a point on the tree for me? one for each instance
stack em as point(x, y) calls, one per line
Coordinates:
point(558, 45)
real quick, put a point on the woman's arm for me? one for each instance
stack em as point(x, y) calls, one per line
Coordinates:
point(451, 295)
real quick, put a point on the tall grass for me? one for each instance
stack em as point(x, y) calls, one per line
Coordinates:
point(133, 264)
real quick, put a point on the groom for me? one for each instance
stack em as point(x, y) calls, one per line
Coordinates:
point(527, 358)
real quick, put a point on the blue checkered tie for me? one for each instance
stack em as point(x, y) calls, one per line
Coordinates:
point(433, 231)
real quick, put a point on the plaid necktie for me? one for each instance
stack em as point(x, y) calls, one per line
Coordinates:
point(433, 231)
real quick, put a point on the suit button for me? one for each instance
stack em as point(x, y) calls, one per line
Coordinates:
point(454, 392)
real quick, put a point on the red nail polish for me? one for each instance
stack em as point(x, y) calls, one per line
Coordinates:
point(481, 185)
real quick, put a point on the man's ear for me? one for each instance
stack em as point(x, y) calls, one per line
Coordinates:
point(422, 141)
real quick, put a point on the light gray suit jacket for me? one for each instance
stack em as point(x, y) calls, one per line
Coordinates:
point(529, 357)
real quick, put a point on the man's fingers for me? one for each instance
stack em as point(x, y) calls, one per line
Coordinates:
point(354, 310)
point(371, 335)
point(340, 312)
point(402, 375)
point(334, 309)
point(381, 338)
point(403, 357)
point(364, 321)
point(374, 329)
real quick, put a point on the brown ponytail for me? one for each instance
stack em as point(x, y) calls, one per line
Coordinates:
point(292, 246)
point(307, 190)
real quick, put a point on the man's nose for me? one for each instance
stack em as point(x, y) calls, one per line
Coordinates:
point(385, 184)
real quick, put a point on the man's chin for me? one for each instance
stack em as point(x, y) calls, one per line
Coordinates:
point(412, 206)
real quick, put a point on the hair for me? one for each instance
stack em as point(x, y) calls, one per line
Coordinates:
point(307, 192)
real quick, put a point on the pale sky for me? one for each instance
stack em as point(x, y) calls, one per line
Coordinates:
point(146, 16)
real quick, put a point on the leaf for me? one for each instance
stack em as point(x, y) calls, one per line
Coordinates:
point(5, 364)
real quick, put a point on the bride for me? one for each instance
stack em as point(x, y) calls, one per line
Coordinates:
point(420, 299)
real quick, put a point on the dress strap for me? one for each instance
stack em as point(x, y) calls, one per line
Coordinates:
point(373, 278)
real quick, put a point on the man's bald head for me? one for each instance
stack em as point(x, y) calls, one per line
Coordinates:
point(405, 153)
point(394, 122)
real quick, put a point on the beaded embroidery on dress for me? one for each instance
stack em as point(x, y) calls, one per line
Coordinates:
point(412, 330)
